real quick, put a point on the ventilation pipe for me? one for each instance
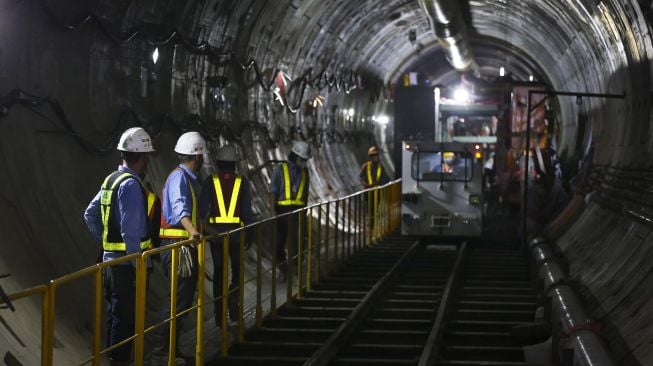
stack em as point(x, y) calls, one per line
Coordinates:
point(446, 20)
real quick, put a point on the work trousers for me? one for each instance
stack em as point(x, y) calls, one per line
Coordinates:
point(287, 226)
point(234, 262)
point(370, 208)
point(186, 288)
point(119, 285)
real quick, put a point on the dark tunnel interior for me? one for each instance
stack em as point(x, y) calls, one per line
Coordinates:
point(258, 74)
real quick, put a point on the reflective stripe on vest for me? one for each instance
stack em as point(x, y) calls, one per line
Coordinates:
point(370, 181)
point(224, 216)
point(106, 202)
point(151, 197)
point(299, 199)
point(177, 232)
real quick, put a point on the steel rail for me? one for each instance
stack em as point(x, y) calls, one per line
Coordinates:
point(331, 347)
point(434, 340)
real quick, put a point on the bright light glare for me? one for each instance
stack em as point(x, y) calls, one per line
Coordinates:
point(350, 112)
point(382, 119)
point(530, 78)
point(461, 94)
point(502, 71)
point(155, 55)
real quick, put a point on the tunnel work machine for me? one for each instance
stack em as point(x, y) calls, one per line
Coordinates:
point(463, 157)
point(447, 158)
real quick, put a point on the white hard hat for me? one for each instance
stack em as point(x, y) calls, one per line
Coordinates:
point(135, 139)
point(191, 143)
point(302, 149)
point(226, 153)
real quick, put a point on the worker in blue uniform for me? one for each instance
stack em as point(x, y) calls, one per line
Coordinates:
point(289, 189)
point(180, 221)
point(118, 217)
point(225, 205)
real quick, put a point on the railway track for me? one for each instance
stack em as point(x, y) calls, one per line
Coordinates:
point(383, 308)
point(494, 295)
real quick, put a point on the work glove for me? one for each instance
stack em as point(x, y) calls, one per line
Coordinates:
point(185, 268)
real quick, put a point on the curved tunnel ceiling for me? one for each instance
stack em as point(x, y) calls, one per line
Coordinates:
point(102, 85)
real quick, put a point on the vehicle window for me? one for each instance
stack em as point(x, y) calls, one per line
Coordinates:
point(442, 166)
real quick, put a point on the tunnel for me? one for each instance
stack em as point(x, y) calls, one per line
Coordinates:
point(259, 74)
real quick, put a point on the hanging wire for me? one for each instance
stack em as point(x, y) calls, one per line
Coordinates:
point(128, 117)
point(175, 37)
point(346, 80)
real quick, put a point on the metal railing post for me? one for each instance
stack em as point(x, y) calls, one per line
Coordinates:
point(299, 253)
point(49, 334)
point(384, 211)
point(289, 256)
point(139, 316)
point(172, 340)
point(241, 290)
point(275, 260)
point(97, 317)
point(348, 227)
point(326, 239)
point(259, 307)
point(224, 335)
point(336, 255)
point(309, 250)
point(375, 215)
point(318, 242)
point(357, 218)
point(369, 215)
point(201, 268)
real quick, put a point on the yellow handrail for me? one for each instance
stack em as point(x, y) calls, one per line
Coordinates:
point(356, 226)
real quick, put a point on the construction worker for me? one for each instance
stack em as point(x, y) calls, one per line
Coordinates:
point(372, 173)
point(289, 189)
point(118, 217)
point(226, 204)
point(179, 221)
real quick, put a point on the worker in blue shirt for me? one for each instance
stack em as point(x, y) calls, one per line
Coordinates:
point(118, 218)
point(226, 204)
point(289, 189)
point(179, 221)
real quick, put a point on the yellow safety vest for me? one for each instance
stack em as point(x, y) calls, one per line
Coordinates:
point(151, 197)
point(224, 216)
point(176, 232)
point(300, 199)
point(111, 237)
point(370, 181)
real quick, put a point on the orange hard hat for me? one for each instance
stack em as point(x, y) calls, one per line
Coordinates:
point(373, 151)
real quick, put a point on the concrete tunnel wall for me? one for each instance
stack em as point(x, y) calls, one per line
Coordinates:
point(582, 45)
